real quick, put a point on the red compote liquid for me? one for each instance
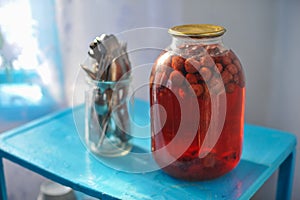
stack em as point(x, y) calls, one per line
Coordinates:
point(187, 85)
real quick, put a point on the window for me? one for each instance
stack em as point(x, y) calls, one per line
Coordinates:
point(30, 63)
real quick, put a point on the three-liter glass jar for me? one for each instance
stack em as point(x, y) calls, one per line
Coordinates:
point(197, 97)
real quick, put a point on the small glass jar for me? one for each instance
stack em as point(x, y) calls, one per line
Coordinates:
point(107, 120)
point(197, 95)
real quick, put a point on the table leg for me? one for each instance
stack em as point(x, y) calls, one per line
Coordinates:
point(285, 177)
point(2, 181)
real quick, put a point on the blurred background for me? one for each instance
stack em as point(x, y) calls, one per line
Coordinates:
point(41, 48)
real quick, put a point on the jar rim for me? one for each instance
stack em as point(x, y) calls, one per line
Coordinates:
point(197, 30)
point(124, 81)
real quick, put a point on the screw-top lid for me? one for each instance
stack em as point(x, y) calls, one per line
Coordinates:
point(198, 30)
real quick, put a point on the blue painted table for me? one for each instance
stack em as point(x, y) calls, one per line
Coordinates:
point(51, 147)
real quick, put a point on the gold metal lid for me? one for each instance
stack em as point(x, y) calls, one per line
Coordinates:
point(198, 30)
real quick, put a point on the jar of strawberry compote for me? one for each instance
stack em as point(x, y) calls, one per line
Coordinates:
point(197, 97)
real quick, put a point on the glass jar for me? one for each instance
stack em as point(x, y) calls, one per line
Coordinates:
point(107, 120)
point(197, 97)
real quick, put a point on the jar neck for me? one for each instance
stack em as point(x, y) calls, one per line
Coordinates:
point(181, 41)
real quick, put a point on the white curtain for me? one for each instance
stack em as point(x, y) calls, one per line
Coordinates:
point(81, 21)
